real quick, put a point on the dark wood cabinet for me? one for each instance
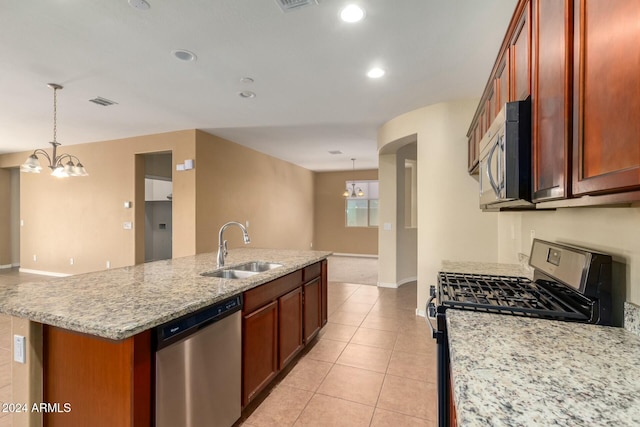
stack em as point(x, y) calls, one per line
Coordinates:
point(280, 317)
point(312, 309)
point(106, 383)
point(259, 350)
point(502, 82)
point(606, 128)
point(289, 326)
point(551, 100)
point(520, 56)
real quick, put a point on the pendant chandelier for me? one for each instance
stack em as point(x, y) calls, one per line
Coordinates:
point(56, 162)
point(353, 192)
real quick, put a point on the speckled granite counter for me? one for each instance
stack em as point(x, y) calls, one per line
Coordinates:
point(487, 268)
point(515, 371)
point(122, 302)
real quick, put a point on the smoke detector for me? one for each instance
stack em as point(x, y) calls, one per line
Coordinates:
point(289, 5)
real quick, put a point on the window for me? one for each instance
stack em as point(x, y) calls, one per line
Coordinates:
point(362, 211)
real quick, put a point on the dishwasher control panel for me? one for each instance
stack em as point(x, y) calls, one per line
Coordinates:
point(173, 331)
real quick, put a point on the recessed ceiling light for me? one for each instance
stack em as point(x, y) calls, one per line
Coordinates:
point(352, 13)
point(139, 4)
point(246, 80)
point(247, 94)
point(335, 152)
point(184, 55)
point(375, 73)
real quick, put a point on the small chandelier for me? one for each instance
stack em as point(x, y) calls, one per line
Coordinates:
point(352, 192)
point(56, 162)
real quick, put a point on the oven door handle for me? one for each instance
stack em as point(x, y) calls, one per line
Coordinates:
point(434, 332)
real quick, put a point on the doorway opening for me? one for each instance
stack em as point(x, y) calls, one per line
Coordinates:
point(158, 191)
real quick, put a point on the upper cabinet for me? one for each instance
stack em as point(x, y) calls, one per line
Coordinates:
point(579, 61)
point(606, 128)
point(551, 99)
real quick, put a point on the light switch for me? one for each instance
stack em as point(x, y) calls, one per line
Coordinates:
point(127, 205)
point(19, 349)
point(188, 164)
point(127, 225)
point(387, 226)
point(180, 167)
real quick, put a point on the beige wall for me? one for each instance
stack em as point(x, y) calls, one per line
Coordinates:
point(235, 183)
point(450, 224)
point(612, 230)
point(5, 218)
point(82, 218)
point(330, 231)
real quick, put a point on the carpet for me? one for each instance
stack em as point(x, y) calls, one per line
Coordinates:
point(349, 269)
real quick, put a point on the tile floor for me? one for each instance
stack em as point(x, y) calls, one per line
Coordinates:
point(373, 364)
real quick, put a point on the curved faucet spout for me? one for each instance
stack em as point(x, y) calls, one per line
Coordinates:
point(222, 244)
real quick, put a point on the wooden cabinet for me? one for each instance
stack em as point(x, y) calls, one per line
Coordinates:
point(520, 56)
point(106, 383)
point(289, 326)
point(312, 309)
point(279, 318)
point(606, 125)
point(324, 314)
point(502, 82)
point(259, 350)
point(551, 100)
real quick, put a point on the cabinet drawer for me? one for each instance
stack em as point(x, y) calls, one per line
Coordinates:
point(312, 271)
point(270, 291)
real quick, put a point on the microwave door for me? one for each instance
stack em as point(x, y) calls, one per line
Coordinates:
point(490, 172)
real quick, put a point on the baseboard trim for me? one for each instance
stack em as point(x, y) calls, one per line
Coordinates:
point(43, 273)
point(354, 255)
point(398, 284)
point(421, 313)
point(5, 266)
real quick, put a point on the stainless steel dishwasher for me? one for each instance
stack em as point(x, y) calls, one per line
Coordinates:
point(198, 363)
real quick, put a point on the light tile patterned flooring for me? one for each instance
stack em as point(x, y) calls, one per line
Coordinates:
point(373, 364)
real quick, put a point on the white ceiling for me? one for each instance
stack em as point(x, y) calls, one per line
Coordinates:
point(309, 70)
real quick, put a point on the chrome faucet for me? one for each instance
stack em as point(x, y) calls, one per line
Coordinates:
point(222, 244)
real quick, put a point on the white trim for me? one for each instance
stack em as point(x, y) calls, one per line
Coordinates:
point(43, 273)
point(5, 266)
point(421, 313)
point(354, 255)
point(387, 285)
point(397, 285)
point(17, 264)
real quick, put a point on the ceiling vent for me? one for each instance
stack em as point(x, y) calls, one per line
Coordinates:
point(102, 101)
point(289, 5)
point(335, 152)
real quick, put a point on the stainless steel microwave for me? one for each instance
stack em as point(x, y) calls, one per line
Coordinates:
point(505, 158)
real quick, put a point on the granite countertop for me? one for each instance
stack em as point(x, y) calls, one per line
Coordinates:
point(494, 269)
point(517, 371)
point(119, 303)
point(520, 371)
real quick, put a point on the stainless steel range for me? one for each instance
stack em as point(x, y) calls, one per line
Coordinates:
point(569, 284)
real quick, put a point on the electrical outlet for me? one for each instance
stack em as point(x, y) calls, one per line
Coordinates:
point(532, 234)
point(19, 349)
point(70, 261)
point(35, 257)
point(246, 224)
point(108, 265)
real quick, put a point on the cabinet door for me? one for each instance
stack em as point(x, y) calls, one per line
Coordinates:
point(502, 82)
point(290, 326)
point(323, 293)
point(312, 309)
point(473, 148)
point(520, 57)
point(259, 350)
point(606, 140)
point(551, 98)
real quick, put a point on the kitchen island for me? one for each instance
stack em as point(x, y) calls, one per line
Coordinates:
point(97, 327)
point(522, 371)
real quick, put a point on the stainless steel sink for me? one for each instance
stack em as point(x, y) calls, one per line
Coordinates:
point(242, 271)
point(230, 274)
point(257, 266)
